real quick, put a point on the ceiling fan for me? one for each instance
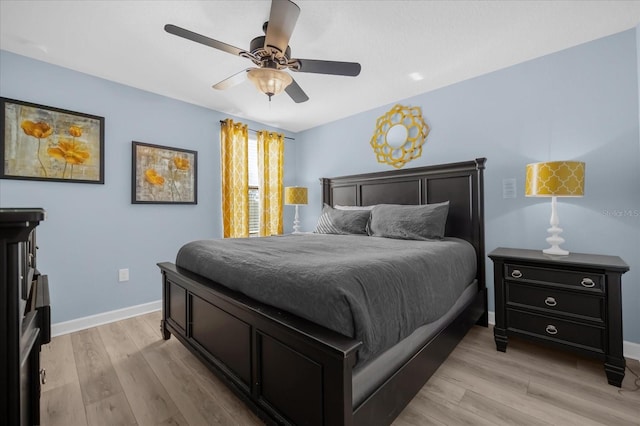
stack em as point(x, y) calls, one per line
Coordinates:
point(272, 55)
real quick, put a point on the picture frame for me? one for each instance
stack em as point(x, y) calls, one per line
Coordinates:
point(163, 175)
point(44, 143)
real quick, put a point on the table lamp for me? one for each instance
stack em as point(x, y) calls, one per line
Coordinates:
point(555, 179)
point(295, 195)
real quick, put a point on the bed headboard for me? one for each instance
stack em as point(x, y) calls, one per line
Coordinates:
point(460, 183)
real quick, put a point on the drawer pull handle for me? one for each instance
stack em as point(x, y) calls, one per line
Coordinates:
point(550, 301)
point(43, 376)
point(551, 329)
point(516, 273)
point(587, 282)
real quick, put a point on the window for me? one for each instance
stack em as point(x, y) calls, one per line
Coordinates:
point(254, 188)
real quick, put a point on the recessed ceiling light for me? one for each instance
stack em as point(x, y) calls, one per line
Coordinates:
point(416, 76)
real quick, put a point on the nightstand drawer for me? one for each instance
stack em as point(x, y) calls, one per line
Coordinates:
point(587, 281)
point(587, 306)
point(565, 332)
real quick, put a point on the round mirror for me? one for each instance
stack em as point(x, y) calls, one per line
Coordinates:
point(397, 136)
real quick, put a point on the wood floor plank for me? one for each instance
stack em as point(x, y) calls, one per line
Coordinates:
point(446, 412)
point(497, 413)
point(516, 399)
point(98, 379)
point(58, 361)
point(595, 370)
point(195, 404)
point(594, 404)
point(221, 393)
point(116, 341)
point(412, 416)
point(150, 402)
point(153, 319)
point(514, 382)
point(148, 333)
point(110, 411)
point(62, 406)
point(142, 331)
point(445, 389)
point(144, 334)
point(177, 420)
point(573, 371)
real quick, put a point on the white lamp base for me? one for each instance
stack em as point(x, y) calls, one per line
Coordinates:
point(555, 239)
point(296, 223)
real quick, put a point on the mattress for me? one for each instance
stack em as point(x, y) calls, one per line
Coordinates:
point(376, 290)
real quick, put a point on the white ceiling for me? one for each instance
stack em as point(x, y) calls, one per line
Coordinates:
point(445, 41)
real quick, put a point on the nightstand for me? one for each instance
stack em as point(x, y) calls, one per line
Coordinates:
point(572, 302)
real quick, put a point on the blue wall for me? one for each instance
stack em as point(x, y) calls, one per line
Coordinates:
point(577, 104)
point(94, 230)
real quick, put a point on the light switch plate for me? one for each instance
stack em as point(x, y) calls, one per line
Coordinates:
point(509, 188)
point(123, 275)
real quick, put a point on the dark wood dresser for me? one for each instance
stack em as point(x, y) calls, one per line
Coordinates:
point(25, 322)
point(572, 302)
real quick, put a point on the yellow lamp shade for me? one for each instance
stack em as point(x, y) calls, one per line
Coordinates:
point(555, 178)
point(295, 195)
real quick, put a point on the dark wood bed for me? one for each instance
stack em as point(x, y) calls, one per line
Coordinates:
point(291, 371)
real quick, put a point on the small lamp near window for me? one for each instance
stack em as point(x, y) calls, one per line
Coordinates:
point(295, 195)
point(555, 179)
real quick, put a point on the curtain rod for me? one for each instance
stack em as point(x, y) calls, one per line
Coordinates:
point(255, 131)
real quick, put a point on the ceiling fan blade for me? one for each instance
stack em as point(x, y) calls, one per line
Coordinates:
point(350, 69)
point(282, 20)
point(198, 38)
point(234, 80)
point(296, 93)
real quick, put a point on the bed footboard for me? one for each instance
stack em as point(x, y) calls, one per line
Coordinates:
point(288, 370)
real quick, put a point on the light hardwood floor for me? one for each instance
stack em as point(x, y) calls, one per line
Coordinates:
point(125, 374)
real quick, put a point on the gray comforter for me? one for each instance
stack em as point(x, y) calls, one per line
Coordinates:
point(376, 290)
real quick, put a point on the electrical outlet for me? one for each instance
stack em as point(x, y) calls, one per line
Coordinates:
point(123, 275)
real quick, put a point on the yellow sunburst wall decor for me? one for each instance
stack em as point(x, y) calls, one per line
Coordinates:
point(399, 136)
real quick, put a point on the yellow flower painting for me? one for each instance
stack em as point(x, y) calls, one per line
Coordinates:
point(163, 175)
point(153, 177)
point(46, 143)
point(71, 152)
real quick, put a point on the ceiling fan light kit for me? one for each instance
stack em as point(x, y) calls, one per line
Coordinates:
point(269, 81)
point(272, 55)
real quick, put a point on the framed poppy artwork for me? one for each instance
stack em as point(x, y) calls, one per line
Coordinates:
point(45, 143)
point(163, 175)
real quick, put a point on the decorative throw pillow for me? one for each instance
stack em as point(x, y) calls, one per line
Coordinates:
point(424, 222)
point(334, 221)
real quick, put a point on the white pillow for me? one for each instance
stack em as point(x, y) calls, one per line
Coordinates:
point(339, 207)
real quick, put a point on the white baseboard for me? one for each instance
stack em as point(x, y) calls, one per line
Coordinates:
point(67, 327)
point(629, 349)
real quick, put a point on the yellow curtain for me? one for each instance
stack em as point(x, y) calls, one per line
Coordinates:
point(270, 172)
point(234, 142)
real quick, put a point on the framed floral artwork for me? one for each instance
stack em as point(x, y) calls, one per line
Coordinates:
point(45, 143)
point(163, 175)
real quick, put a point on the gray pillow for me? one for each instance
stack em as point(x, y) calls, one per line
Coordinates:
point(334, 221)
point(425, 222)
